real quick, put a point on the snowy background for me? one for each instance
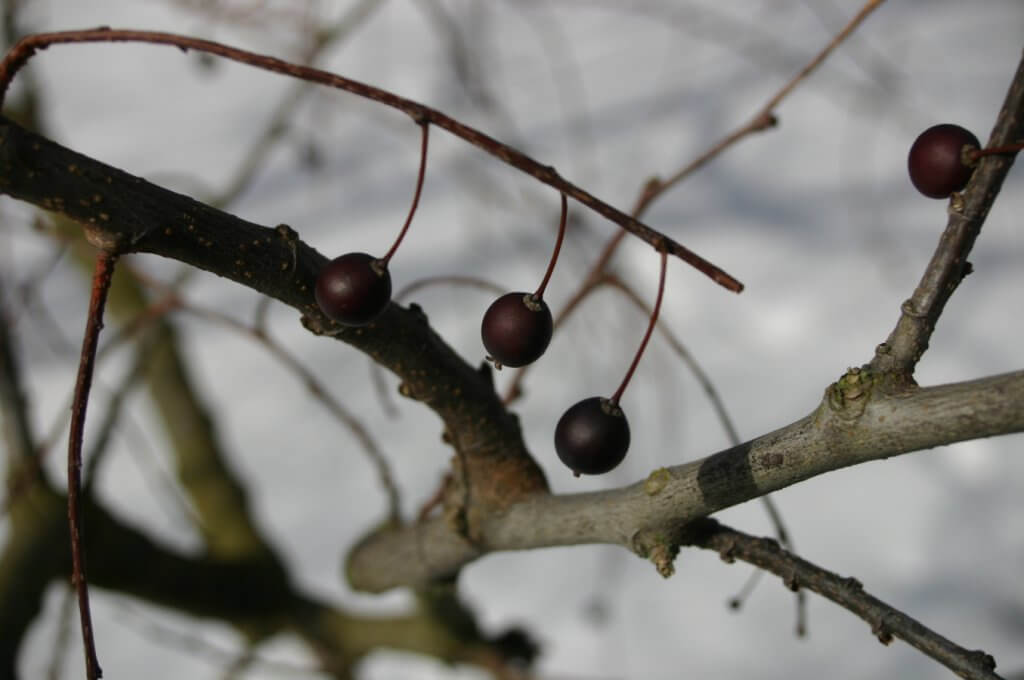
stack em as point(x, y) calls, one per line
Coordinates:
point(817, 218)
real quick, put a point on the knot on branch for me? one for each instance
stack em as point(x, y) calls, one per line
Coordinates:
point(849, 396)
point(656, 481)
point(881, 630)
point(983, 660)
point(660, 548)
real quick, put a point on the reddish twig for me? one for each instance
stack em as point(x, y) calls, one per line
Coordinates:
point(654, 188)
point(102, 275)
point(26, 47)
point(762, 120)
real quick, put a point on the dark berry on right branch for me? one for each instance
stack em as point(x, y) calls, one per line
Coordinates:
point(516, 329)
point(592, 437)
point(353, 289)
point(939, 161)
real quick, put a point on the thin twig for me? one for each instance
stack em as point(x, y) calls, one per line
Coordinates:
point(765, 118)
point(25, 48)
point(102, 275)
point(277, 125)
point(886, 621)
point(654, 188)
point(908, 341)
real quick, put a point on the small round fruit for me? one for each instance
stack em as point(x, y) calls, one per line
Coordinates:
point(592, 437)
point(516, 329)
point(937, 162)
point(353, 289)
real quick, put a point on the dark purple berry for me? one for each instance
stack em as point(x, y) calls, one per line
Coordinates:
point(353, 289)
point(592, 437)
point(516, 329)
point(938, 162)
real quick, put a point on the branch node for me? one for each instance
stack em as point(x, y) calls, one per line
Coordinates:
point(656, 481)
point(105, 240)
point(728, 551)
point(791, 581)
point(291, 239)
point(982, 659)
point(658, 547)
point(881, 630)
point(908, 308)
point(663, 556)
point(849, 396)
point(417, 311)
point(852, 584)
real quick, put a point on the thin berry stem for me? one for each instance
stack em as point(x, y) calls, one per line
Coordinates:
point(650, 329)
point(558, 247)
point(425, 125)
point(102, 275)
point(993, 150)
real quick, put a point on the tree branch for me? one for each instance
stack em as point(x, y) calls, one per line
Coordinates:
point(104, 272)
point(855, 423)
point(128, 214)
point(28, 46)
point(847, 429)
point(886, 621)
point(907, 343)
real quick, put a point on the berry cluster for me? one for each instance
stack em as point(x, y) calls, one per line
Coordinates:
point(592, 436)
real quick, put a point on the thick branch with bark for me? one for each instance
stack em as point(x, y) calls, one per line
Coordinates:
point(854, 424)
point(864, 416)
point(125, 213)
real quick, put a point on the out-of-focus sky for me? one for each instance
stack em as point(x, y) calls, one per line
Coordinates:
point(816, 217)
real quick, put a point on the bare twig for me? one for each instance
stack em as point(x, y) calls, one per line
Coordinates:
point(100, 286)
point(25, 48)
point(886, 621)
point(654, 188)
point(908, 341)
point(320, 39)
point(765, 117)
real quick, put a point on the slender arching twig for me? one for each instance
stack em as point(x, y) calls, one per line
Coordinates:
point(421, 114)
point(102, 276)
